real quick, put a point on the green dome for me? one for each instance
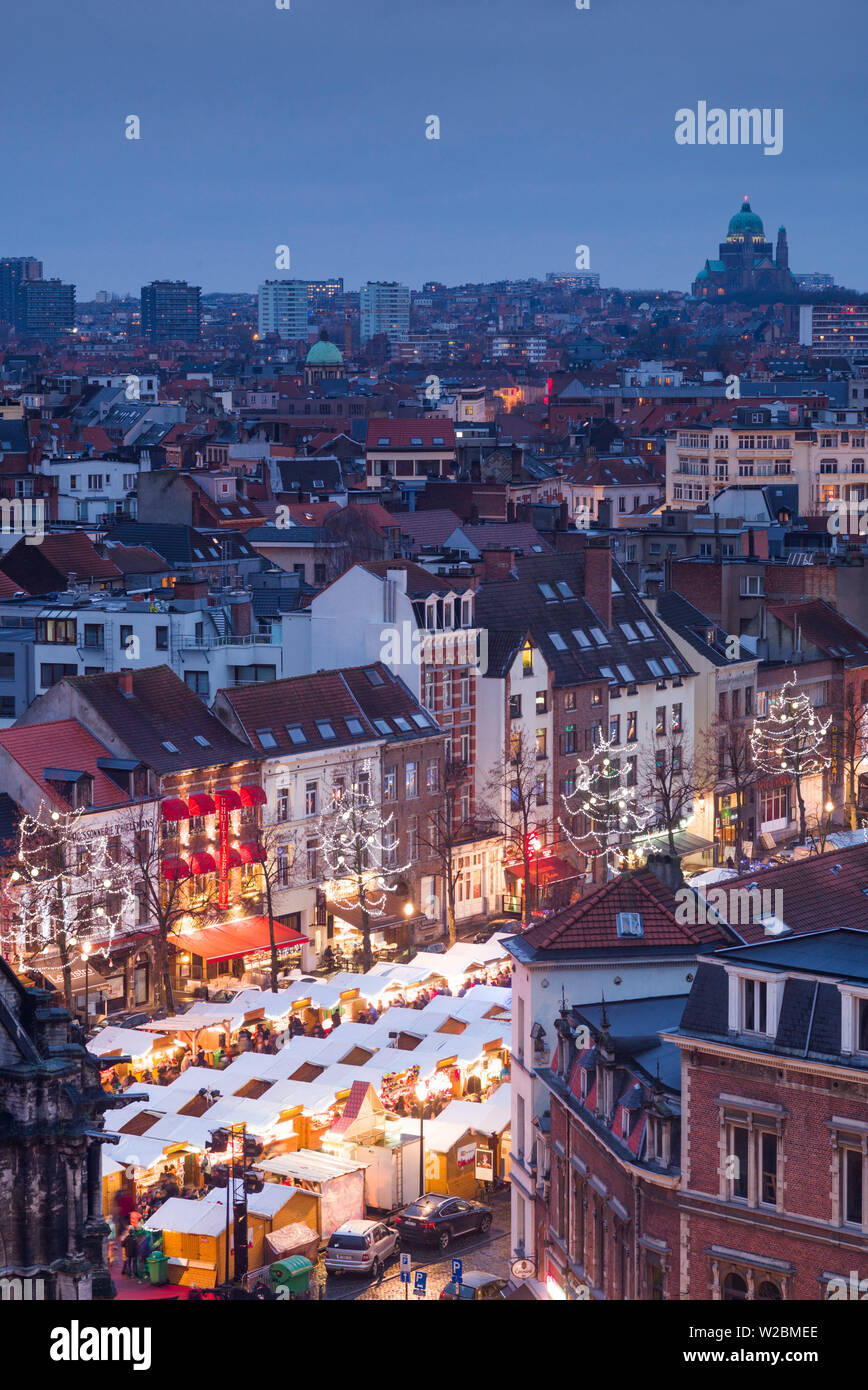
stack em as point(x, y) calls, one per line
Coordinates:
point(324, 353)
point(745, 225)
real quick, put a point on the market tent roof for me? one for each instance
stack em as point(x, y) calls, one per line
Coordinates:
point(370, 987)
point(405, 974)
point(710, 876)
point(182, 1129)
point(343, 1039)
point(320, 994)
point(266, 1203)
point(189, 1217)
point(258, 1115)
point(138, 1151)
point(485, 951)
point(307, 1165)
point(209, 1016)
point(685, 843)
point(459, 1116)
point(189, 1083)
point(122, 1040)
point(235, 938)
point(312, 1095)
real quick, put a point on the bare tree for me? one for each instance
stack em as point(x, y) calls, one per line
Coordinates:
point(163, 880)
point(854, 748)
point(667, 783)
point(729, 768)
point(790, 740)
point(276, 859)
point(442, 835)
point(514, 790)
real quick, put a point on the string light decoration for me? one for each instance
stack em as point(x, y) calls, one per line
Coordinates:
point(789, 740)
point(606, 804)
point(358, 844)
point(65, 889)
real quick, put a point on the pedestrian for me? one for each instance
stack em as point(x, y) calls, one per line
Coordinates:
point(187, 1060)
point(128, 1246)
point(201, 1060)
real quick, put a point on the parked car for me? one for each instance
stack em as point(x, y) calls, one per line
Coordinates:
point(438, 1219)
point(475, 1284)
point(436, 948)
point(361, 1247)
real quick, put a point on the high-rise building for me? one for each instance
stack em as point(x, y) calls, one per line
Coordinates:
point(14, 269)
point(324, 295)
point(384, 308)
point(44, 308)
point(283, 308)
point(171, 311)
point(834, 330)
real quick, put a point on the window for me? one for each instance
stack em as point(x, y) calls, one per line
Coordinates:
point(557, 641)
point(296, 733)
point(266, 738)
point(581, 637)
point(570, 738)
point(615, 728)
point(126, 633)
point(570, 700)
point(629, 924)
point(432, 776)
point(283, 804)
point(629, 632)
point(541, 789)
point(311, 790)
point(50, 672)
point(768, 1153)
point(94, 482)
point(59, 631)
point(654, 667)
point(596, 696)
point(541, 701)
point(737, 1162)
point(93, 635)
point(411, 780)
point(326, 729)
point(162, 638)
point(599, 637)
point(775, 805)
point(339, 786)
point(754, 1005)
point(527, 659)
point(390, 786)
point(631, 726)
point(676, 719)
point(752, 586)
point(851, 1176)
point(660, 721)
point(515, 707)
point(312, 857)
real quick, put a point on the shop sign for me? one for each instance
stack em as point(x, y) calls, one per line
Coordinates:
point(523, 1269)
point(466, 1155)
point(485, 1165)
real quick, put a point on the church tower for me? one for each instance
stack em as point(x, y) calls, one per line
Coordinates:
point(782, 253)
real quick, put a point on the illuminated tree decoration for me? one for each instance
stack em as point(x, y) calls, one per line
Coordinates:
point(789, 741)
point(359, 850)
point(66, 890)
point(604, 803)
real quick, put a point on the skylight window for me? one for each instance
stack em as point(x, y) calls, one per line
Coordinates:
point(374, 675)
point(326, 728)
point(625, 673)
point(671, 665)
point(581, 637)
point(629, 632)
point(318, 483)
point(438, 439)
point(629, 924)
point(547, 592)
point(383, 726)
point(198, 554)
point(402, 724)
point(654, 667)
point(599, 637)
point(616, 587)
point(227, 511)
point(416, 439)
point(354, 725)
point(384, 439)
point(564, 589)
point(607, 673)
point(266, 738)
point(644, 628)
point(201, 740)
point(421, 721)
point(557, 641)
point(296, 733)
point(169, 747)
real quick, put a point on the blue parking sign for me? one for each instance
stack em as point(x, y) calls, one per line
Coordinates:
point(405, 1267)
point(420, 1279)
point(457, 1269)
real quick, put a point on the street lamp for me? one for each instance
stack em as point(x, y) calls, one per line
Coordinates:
point(828, 808)
point(85, 955)
point(421, 1096)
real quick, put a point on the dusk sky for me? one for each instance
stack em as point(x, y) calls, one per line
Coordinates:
point(307, 127)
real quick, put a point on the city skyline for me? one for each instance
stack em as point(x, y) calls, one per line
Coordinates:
point(311, 132)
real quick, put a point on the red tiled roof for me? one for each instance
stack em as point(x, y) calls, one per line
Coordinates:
point(824, 627)
point(272, 705)
point(822, 893)
point(61, 743)
point(135, 559)
point(400, 433)
point(376, 516)
point(8, 587)
point(429, 527)
point(589, 924)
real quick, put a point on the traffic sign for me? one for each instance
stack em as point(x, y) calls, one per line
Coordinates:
point(405, 1267)
point(420, 1279)
point(457, 1270)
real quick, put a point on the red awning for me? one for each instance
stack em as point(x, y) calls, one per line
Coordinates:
point(203, 863)
point(554, 867)
point(251, 854)
point(234, 858)
point(173, 808)
point(243, 937)
point(253, 796)
point(201, 804)
point(230, 798)
point(176, 868)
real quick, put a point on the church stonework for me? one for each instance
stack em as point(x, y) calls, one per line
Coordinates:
point(747, 262)
point(52, 1230)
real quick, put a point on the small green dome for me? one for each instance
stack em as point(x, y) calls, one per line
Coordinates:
point(324, 353)
point(745, 225)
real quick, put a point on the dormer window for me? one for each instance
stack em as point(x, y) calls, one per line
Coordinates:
point(629, 924)
point(754, 1004)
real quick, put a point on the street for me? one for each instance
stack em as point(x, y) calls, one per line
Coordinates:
point(490, 1252)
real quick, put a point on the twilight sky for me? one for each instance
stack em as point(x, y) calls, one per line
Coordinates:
point(261, 126)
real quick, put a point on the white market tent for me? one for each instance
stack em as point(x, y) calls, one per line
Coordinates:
point(189, 1216)
point(128, 1042)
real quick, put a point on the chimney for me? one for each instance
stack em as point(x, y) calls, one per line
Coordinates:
point(598, 578)
point(125, 682)
point(497, 564)
point(516, 461)
point(666, 868)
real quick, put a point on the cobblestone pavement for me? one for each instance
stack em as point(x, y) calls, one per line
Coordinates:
point(491, 1253)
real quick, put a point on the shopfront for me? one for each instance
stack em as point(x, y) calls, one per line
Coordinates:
point(222, 956)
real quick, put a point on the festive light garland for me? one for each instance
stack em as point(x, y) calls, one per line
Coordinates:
point(57, 871)
point(356, 840)
point(608, 803)
point(789, 739)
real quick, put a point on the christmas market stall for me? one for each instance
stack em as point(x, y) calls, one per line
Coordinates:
point(194, 1239)
point(368, 1134)
point(468, 1143)
point(337, 1184)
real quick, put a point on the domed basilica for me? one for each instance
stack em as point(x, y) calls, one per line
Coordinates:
point(746, 261)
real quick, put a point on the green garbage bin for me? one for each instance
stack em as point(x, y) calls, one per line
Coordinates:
point(158, 1268)
point(292, 1273)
